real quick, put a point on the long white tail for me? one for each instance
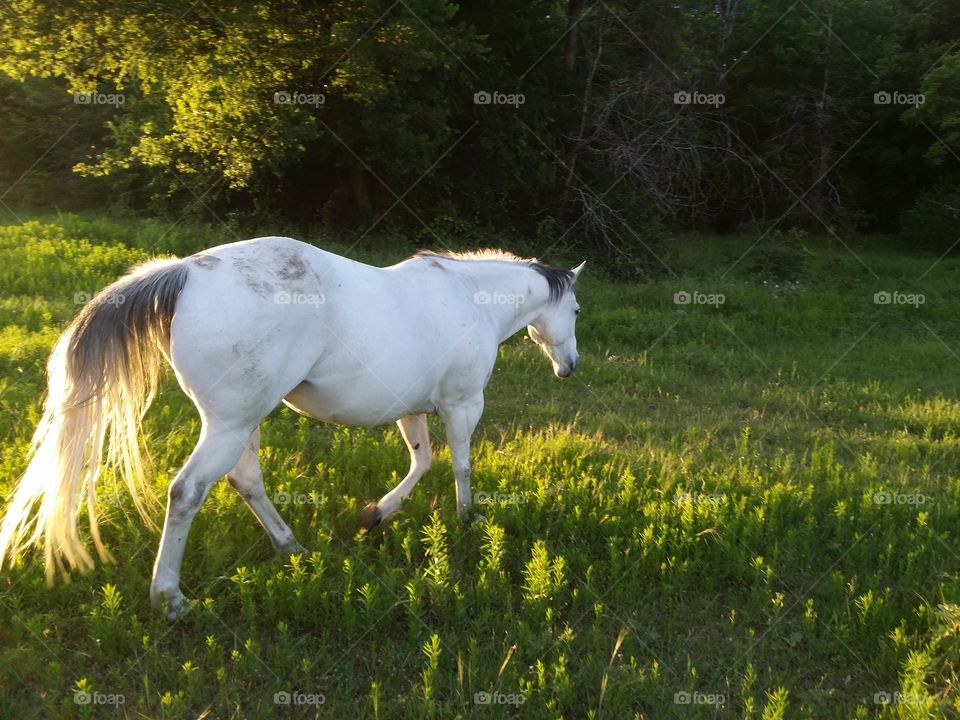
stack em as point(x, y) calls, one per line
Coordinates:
point(101, 377)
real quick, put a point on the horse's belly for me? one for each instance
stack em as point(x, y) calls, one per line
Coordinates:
point(346, 403)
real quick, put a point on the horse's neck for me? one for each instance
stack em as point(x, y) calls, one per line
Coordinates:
point(517, 294)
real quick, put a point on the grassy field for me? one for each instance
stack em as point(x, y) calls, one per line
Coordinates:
point(742, 509)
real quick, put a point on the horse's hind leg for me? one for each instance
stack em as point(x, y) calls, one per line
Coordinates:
point(416, 434)
point(247, 479)
point(216, 453)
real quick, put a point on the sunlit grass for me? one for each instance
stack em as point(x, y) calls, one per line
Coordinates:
point(753, 503)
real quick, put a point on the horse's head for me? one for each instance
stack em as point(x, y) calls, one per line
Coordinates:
point(554, 330)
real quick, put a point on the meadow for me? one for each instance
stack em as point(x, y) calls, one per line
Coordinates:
point(742, 505)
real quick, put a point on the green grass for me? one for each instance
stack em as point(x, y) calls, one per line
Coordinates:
point(694, 511)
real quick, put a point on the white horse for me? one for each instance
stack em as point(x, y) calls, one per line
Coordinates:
point(251, 324)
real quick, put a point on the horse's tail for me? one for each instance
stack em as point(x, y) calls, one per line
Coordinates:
point(101, 377)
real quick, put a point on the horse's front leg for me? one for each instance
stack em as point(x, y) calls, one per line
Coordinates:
point(460, 421)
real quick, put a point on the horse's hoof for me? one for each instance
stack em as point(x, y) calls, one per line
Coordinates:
point(294, 548)
point(370, 516)
point(177, 610)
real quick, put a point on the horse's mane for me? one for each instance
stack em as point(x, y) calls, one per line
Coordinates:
point(559, 281)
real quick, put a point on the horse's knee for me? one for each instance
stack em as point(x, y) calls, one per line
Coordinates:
point(246, 482)
point(184, 497)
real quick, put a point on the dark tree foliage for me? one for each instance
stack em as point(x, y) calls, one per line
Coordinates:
point(599, 122)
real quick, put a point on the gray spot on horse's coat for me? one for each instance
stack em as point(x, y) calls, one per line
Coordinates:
point(235, 349)
point(417, 446)
point(434, 263)
point(249, 273)
point(207, 262)
point(293, 268)
point(253, 375)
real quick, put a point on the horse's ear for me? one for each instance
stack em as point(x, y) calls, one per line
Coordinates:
point(577, 270)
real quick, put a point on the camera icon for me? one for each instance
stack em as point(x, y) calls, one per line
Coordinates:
point(882, 298)
point(482, 297)
point(682, 298)
point(82, 98)
point(282, 98)
point(82, 298)
point(81, 697)
point(282, 298)
point(682, 97)
point(882, 698)
point(482, 98)
point(481, 698)
point(882, 98)
point(883, 498)
point(282, 498)
point(682, 698)
point(281, 698)
point(482, 498)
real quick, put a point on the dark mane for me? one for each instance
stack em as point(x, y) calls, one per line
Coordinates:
point(559, 281)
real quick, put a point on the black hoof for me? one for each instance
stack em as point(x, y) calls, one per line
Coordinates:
point(370, 517)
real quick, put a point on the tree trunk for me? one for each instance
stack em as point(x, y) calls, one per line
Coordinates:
point(358, 187)
point(574, 8)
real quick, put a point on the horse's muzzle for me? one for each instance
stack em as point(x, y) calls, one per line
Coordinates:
point(566, 370)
